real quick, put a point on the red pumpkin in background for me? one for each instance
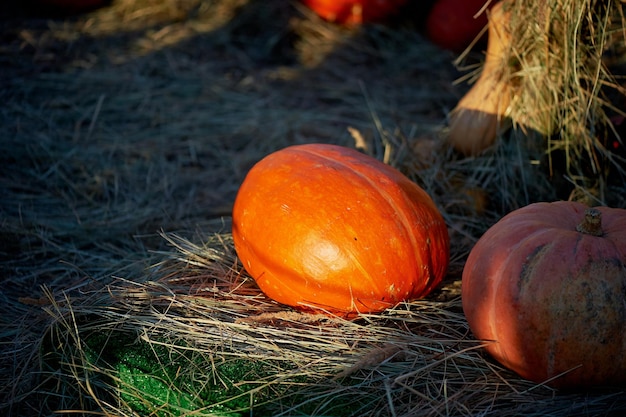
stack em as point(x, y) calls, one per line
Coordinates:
point(355, 12)
point(324, 227)
point(454, 24)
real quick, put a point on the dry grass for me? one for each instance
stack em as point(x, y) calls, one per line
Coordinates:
point(125, 133)
point(565, 89)
point(199, 312)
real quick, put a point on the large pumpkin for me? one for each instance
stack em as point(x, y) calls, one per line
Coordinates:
point(328, 228)
point(547, 286)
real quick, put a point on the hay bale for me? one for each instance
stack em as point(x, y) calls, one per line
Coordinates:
point(552, 66)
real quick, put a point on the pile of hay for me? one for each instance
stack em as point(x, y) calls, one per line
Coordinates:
point(126, 132)
point(566, 66)
point(198, 338)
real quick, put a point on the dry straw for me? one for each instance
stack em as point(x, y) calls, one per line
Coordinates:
point(199, 311)
point(565, 88)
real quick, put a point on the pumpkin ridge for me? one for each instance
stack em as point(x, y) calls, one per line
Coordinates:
point(503, 269)
point(368, 182)
point(417, 259)
point(530, 264)
point(406, 223)
point(333, 162)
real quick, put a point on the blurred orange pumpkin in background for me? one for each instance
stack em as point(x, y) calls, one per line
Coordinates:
point(351, 12)
point(324, 227)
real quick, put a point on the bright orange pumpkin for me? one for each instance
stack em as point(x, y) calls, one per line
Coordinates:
point(354, 12)
point(325, 227)
point(547, 285)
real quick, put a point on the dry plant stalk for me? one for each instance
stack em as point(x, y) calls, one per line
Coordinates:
point(481, 114)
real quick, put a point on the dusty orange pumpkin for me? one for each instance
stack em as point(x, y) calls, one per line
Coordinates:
point(325, 227)
point(547, 284)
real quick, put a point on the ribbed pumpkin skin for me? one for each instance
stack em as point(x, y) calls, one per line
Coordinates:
point(326, 227)
point(552, 298)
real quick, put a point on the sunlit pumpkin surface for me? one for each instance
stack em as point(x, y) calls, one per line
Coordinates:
point(328, 228)
point(550, 297)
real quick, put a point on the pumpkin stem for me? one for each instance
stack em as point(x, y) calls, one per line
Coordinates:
point(592, 223)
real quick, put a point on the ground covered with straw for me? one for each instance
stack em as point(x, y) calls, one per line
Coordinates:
point(124, 135)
